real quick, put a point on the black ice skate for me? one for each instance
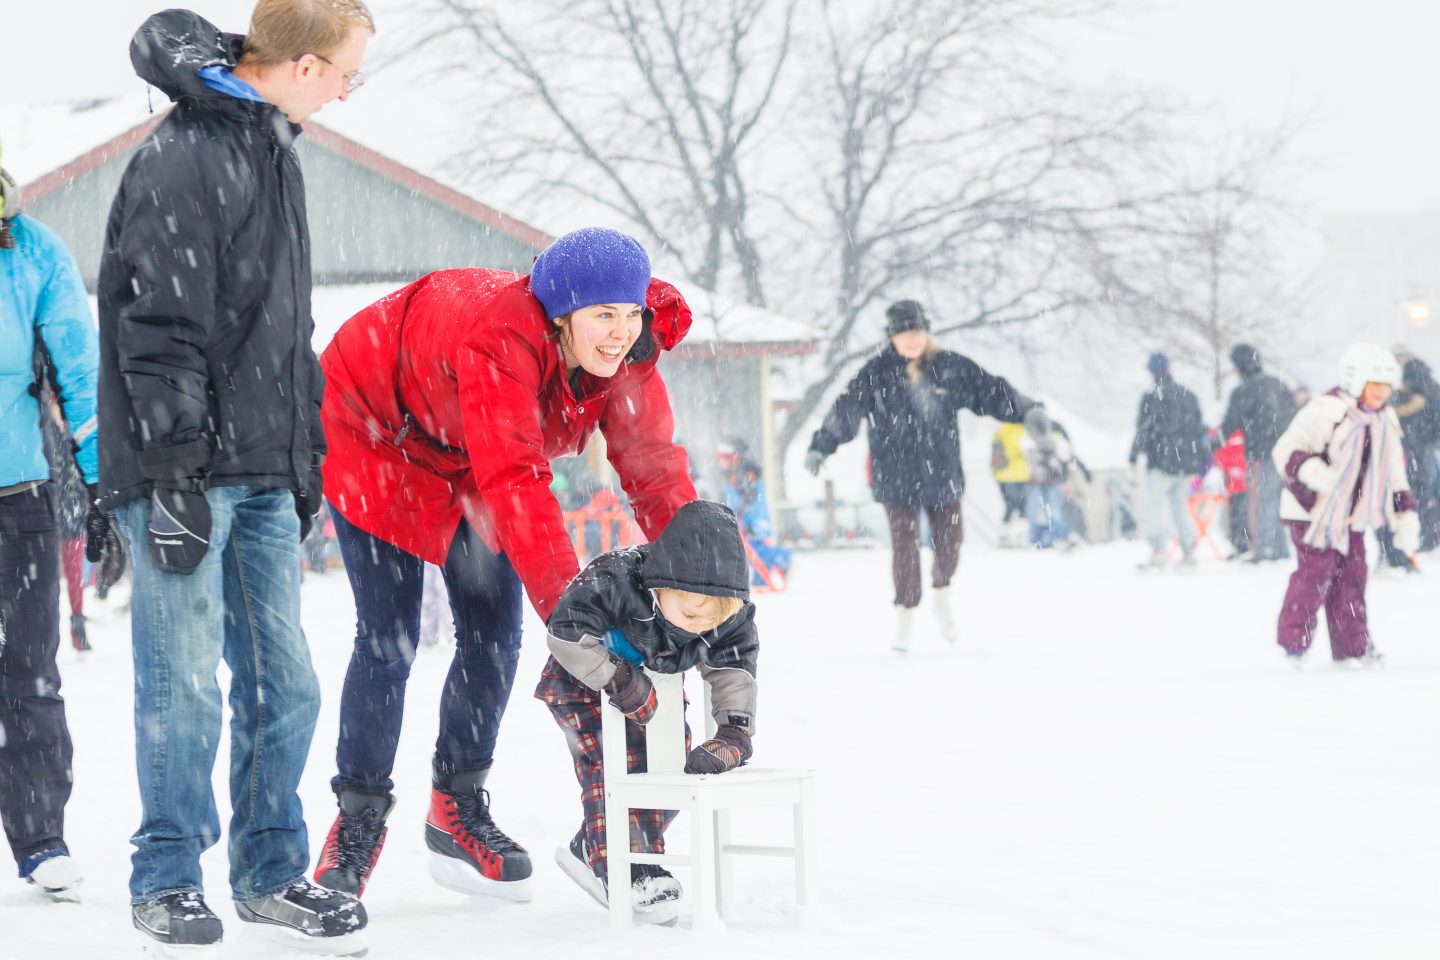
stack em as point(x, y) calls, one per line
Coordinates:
point(310, 918)
point(180, 919)
point(654, 893)
point(354, 843)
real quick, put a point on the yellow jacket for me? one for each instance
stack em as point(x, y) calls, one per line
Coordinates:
point(1006, 461)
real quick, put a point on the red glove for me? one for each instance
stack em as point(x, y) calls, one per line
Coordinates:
point(632, 692)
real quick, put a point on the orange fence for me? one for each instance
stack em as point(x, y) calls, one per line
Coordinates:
point(616, 526)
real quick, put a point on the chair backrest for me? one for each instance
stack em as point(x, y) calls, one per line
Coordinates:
point(664, 734)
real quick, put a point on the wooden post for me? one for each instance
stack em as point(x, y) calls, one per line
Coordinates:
point(829, 513)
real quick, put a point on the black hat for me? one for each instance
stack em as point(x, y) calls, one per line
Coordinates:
point(1246, 359)
point(904, 315)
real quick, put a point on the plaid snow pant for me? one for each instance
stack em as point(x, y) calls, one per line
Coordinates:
point(576, 709)
point(1331, 579)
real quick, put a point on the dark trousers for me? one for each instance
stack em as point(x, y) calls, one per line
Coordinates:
point(1014, 496)
point(576, 709)
point(35, 751)
point(947, 532)
point(1267, 531)
point(1335, 581)
point(1237, 512)
point(485, 598)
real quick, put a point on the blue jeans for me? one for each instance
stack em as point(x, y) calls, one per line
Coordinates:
point(243, 604)
point(487, 602)
point(1045, 509)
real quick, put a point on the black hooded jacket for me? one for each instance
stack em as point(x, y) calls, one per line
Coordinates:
point(206, 367)
point(1170, 430)
point(700, 551)
point(915, 430)
point(1261, 405)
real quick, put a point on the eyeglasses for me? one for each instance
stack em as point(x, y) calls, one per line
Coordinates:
point(353, 80)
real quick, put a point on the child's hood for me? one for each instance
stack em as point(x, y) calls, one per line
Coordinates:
point(700, 550)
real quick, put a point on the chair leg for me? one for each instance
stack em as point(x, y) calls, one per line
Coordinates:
point(724, 863)
point(805, 848)
point(702, 877)
point(617, 846)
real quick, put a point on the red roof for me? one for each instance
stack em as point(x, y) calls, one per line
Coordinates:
point(329, 140)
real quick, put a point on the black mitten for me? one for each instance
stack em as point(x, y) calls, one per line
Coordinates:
point(632, 692)
point(105, 546)
point(179, 531)
point(729, 748)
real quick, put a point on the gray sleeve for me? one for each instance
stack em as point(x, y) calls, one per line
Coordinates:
point(587, 659)
point(732, 696)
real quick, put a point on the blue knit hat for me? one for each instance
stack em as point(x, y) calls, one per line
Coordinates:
point(589, 266)
point(1157, 364)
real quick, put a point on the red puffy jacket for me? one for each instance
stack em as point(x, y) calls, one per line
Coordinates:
point(450, 397)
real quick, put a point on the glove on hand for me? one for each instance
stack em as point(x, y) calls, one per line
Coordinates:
point(310, 498)
point(179, 532)
point(814, 460)
point(1407, 533)
point(729, 748)
point(632, 692)
point(105, 546)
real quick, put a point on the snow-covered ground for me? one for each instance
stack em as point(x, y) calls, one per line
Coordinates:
point(1109, 765)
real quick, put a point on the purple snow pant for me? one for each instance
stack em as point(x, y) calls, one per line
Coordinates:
point(1335, 580)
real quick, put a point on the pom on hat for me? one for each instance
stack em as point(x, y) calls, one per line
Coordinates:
point(589, 266)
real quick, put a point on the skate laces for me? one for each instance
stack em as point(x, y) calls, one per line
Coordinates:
point(358, 835)
point(473, 812)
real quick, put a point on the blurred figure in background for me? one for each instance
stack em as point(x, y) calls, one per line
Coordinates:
point(1417, 404)
point(1261, 407)
point(744, 493)
point(1171, 434)
point(1012, 474)
point(1230, 458)
point(1050, 458)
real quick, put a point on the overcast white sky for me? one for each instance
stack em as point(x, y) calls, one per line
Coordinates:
point(1367, 71)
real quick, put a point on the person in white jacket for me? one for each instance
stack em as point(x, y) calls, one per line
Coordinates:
point(1344, 474)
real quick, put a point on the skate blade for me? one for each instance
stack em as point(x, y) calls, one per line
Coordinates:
point(151, 947)
point(661, 913)
point(355, 944)
point(70, 894)
point(463, 878)
point(580, 873)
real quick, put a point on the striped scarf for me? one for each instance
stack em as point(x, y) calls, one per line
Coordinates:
point(1332, 519)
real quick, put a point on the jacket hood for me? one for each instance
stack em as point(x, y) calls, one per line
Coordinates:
point(14, 202)
point(1246, 359)
point(173, 46)
point(700, 551)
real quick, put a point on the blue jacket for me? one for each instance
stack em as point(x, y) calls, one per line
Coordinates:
point(41, 290)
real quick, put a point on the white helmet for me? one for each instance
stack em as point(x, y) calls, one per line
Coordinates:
point(1367, 363)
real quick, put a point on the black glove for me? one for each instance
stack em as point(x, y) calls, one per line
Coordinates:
point(179, 532)
point(632, 692)
point(105, 546)
point(310, 497)
point(814, 460)
point(729, 748)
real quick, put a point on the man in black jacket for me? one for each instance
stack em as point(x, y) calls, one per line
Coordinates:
point(210, 448)
point(1261, 407)
point(1170, 432)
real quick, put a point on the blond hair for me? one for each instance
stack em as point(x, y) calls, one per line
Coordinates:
point(912, 367)
point(282, 30)
point(719, 609)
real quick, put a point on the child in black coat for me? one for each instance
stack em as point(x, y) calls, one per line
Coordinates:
point(677, 603)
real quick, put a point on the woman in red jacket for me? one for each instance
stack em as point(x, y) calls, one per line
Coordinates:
point(444, 403)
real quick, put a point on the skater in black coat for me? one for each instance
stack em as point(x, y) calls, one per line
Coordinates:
point(1262, 407)
point(909, 395)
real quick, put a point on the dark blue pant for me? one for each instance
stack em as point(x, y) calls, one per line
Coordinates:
point(35, 750)
point(486, 600)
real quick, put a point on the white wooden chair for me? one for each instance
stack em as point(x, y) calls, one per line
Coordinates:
point(708, 798)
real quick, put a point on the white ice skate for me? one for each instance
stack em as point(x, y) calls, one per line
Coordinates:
point(940, 598)
point(905, 625)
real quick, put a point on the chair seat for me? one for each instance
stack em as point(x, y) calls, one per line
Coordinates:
point(720, 780)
